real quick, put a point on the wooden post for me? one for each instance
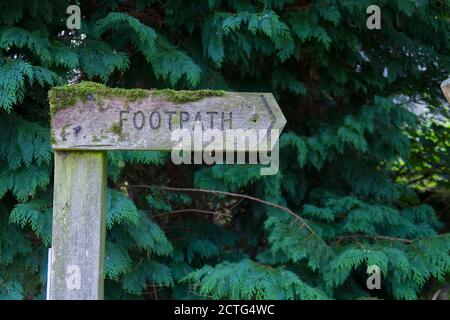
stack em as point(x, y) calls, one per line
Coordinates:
point(78, 238)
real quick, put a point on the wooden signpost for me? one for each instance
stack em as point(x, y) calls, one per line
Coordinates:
point(87, 120)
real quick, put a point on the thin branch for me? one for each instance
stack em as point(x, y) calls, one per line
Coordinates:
point(186, 211)
point(217, 192)
point(375, 237)
point(236, 204)
point(232, 194)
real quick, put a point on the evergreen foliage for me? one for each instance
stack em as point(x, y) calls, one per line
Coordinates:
point(350, 156)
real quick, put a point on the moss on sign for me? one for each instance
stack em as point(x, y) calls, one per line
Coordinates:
point(116, 128)
point(65, 96)
point(183, 96)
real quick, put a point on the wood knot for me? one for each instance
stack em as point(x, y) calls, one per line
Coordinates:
point(77, 129)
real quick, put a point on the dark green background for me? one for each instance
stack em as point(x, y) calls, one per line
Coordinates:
point(365, 176)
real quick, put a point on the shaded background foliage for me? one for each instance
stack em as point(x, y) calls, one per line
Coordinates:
point(364, 157)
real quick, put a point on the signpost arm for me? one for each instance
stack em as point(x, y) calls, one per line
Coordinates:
point(78, 235)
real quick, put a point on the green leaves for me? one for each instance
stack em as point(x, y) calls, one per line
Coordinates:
point(330, 13)
point(282, 79)
point(12, 82)
point(167, 61)
point(117, 260)
point(172, 64)
point(99, 59)
point(233, 177)
point(120, 208)
point(37, 214)
point(348, 94)
point(144, 273)
point(23, 142)
point(19, 47)
point(12, 290)
point(113, 20)
point(23, 182)
point(245, 27)
point(149, 236)
point(292, 140)
point(296, 241)
point(36, 42)
point(305, 26)
point(249, 280)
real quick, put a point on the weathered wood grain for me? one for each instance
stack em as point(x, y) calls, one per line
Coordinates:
point(112, 123)
point(78, 234)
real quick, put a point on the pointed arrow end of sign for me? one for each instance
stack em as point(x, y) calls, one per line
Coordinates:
point(278, 120)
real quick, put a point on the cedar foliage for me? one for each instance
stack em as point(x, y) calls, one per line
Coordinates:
point(347, 93)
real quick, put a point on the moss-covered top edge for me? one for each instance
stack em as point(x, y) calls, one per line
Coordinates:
point(65, 96)
point(183, 96)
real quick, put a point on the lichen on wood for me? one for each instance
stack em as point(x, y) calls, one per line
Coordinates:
point(182, 96)
point(116, 128)
point(78, 233)
point(65, 96)
point(64, 132)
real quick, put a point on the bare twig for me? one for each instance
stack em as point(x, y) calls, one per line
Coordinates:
point(186, 211)
point(239, 195)
point(375, 237)
point(236, 204)
point(217, 192)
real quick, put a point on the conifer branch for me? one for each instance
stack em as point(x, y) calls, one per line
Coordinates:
point(162, 214)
